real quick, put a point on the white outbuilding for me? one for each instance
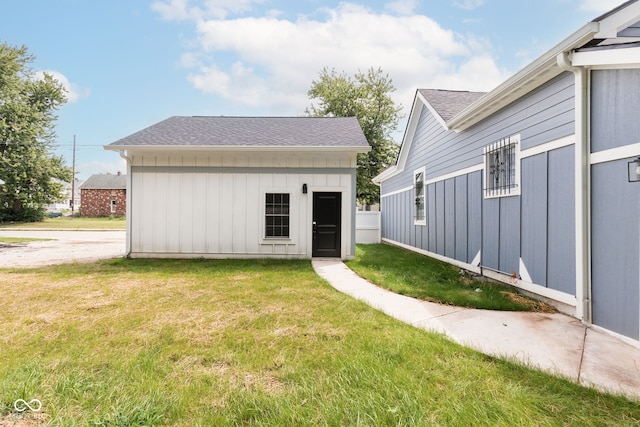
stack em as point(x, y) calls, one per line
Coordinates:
point(242, 187)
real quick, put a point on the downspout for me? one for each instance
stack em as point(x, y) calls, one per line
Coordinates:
point(582, 188)
point(124, 155)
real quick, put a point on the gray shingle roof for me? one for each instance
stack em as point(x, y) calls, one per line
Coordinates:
point(219, 131)
point(105, 181)
point(448, 103)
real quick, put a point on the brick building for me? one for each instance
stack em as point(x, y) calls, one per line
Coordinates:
point(104, 195)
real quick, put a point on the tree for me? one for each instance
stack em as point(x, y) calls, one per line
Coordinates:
point(32, 175)
point(367, 97)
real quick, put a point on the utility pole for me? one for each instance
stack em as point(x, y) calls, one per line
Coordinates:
point(73, 176)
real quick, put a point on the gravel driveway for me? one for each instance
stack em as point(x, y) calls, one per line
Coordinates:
point(67, 246)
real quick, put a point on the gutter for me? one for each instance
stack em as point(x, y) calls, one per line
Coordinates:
point(125, 156)
point(582, 187)
point(541, 70)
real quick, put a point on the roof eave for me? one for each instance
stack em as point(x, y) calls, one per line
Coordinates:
point(241, 148)
point(538, 72)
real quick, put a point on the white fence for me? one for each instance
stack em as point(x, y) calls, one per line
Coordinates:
point(367, 227)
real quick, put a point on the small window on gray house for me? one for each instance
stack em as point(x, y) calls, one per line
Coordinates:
point(277, 215)
point(502, 168)
point(113, 206)
point(419, 192)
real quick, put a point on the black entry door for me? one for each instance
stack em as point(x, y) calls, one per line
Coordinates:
point(326, 224)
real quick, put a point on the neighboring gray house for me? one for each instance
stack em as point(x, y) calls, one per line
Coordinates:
point(242, 187)
point(536, 182)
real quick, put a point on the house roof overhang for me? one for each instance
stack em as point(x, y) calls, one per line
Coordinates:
point(533, 75)
point(236, 148)
point(582, 48)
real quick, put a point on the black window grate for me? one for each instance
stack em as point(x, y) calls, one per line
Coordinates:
point(500, 168)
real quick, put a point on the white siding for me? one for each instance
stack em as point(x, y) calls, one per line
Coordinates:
point(199, 206)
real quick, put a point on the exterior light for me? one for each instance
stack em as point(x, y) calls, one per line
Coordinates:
point(304, 188)
point(634, 170)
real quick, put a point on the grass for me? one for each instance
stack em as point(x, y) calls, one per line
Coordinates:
point(18, 240)
point(199, 343)
point(409, 273)
point(69, 222)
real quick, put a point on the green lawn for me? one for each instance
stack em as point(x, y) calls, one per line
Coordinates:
point(409, 273)
point(68, 222)
point(209, 343)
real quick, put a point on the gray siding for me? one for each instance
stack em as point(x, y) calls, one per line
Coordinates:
point(460, 221)
point(615, 203)
point(615, 249)
point(561, 232)
point(534, 217)
point(542, 116)
point(615, 104)
point(460, 224)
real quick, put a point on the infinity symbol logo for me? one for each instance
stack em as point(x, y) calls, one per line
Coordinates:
point(21, 405)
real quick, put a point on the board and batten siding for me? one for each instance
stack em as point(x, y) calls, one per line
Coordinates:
point(214, 206)
point(615, 203)
point(508, 232)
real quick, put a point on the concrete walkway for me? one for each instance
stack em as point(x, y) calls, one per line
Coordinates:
point(556, 343)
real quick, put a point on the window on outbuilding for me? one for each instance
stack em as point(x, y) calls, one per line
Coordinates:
point(277, 215)
point(502, 168)
point(113, 206)
point(420, 217)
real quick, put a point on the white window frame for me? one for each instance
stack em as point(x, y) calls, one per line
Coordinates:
point(113, 206)
point(265, 214)
point(419, 197)
point(507, 183)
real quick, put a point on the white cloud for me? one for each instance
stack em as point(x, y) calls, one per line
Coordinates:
point(468, 4)
point(269, 63)
point(73, 92)
point(599, 6)
point(402, 7)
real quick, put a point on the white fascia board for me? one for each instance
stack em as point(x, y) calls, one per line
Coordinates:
point(621, 57)
point(378, 179)
point(618, 21)
point(414, 118)
point(240, 148)
point(532, 76)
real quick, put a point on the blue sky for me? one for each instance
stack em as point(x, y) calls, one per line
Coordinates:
point(130, 63)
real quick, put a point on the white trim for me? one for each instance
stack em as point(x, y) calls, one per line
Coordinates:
point(455, 262)
point(393, 193)
point(619, 153)
point(524, 273)
point(548, 146)
point(499, 145)
point(538, 149)
point(433, 111)
point(562, 297)
point(135, 149)
point(294, 207)
point(501, 277)
point(612, 24)
point(628, 57)
point(422, 221)
point(532, 76)
point(477, 259)
point(455, 174)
